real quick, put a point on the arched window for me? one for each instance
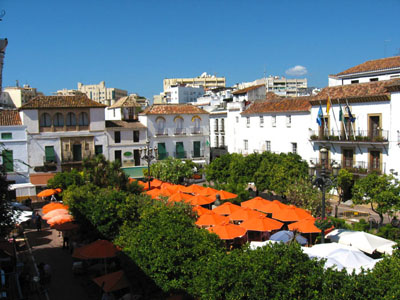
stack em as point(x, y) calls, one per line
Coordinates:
point(58, 120)
point(179, 125)
point(83, 119)
point(45, 120)
point(160, 125)
point(71, 119)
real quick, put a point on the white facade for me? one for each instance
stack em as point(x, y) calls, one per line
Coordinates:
point(15, 97)
point(182, 94)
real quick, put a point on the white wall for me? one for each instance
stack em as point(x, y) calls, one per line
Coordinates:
point(97, 122)
point(30, 119)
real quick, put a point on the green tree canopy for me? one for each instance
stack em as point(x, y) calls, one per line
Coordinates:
point(6, 215)
point(65, 179)
point(172, 170)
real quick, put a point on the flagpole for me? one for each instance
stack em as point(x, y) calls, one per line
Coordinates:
point(333, 112)
point(351, 121)
point(344, 125)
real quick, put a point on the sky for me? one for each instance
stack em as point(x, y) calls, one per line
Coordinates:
point(134, 45)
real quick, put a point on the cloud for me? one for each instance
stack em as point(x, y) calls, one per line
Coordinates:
point(296, 71)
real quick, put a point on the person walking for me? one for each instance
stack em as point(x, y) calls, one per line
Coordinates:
point(38, 222)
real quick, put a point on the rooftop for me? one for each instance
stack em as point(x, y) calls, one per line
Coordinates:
point(124, 124)
point(245, 90)
point(81, 101)
point(9, 118)
point(300, 104)
point(128, 101)
point(374, 65)
point(172, 109)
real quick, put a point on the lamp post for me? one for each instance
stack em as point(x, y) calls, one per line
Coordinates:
point(148, 154)
point(323, 180)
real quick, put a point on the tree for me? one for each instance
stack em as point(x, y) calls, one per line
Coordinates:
point(382, 192)
point(218, 170)
point(65, 179)
point(6, 215)
point(172, 170)
point(345, 181)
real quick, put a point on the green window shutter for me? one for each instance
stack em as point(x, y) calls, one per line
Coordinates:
point(6, 135)
point(162, 151)
point(98, 149)
point(196, 149)
point(8, 160)
point(50, 155)
point(180, 150)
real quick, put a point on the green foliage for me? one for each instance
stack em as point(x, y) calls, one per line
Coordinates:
point(6, 215)
point(361, 225)
point(172, 170)
point(382, 192)
point(389, 232)
point(340, 223)
point(218, 170)
point(345, 180)
point(65, 179)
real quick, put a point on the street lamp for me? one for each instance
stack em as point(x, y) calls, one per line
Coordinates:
point(148, 154)
point(323, 180)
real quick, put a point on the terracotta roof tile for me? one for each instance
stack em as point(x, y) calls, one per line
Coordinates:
point(272, 96)
point(361, 92)
point(244, 91)
point(299, 104)
point(124, 124)
point(128, 101)
point(9, 118)
point(172, 109)
point(61, 102)
point(374, 65)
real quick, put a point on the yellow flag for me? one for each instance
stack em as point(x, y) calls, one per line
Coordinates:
point(328, 105)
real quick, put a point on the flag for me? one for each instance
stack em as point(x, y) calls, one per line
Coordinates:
point(320, 116)
point(328, 105)
point(352, 119)
point(340, 113)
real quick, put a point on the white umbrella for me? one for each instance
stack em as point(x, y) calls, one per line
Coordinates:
point(362, 240)
point(286, 236)
point(336, 234)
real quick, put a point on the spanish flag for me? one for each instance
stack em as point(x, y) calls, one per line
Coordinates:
point(328, 105)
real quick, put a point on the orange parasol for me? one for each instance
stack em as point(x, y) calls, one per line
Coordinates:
point(52, 206)
point(201, 210)
point(256, 203)
point(226, 209)
point(291, 213)
point(97, 249)
point(208, 191)
point(193, 189)
point(155, 183)
point(47, 193)
point(66, 226)
point(228, 231)
point(226, 195)
point(179, 197)
point(245, 214)
point(201, 200)
point(261, 224)
point(211, 219)
point(60, 219)
point(305, 226)
point(157, 193)
point(112, 282)
point(55, 212)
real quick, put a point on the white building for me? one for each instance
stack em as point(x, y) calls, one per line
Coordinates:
point(62, 131)
point(372, 70)
point(205, 80)
point(182, 94)
point(16, 96)
point(13, 147)
point(178, 130)
point(126, 108)
point(252, 93)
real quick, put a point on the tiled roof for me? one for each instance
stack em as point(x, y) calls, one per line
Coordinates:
point(124, 124)
point(374, 65)
point(9, 118)
point(360, 92)
point(61, 102)
point(244, 91)
point(273, 96)
point(128, 101)
point(172, 109)
point(299, 104)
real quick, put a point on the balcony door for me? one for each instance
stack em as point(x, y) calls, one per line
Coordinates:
point(375, 160)
point(348, 161)
point(196, 149)
point(374, 129)
point(324, 128)
point(77, 152)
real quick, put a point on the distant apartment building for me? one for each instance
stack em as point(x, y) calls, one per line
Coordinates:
point(97, 92)
point(16, 96)
point(205, 80)
point(373, 70)
point(181, 94)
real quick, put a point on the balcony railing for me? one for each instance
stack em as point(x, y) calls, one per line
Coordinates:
point(357, 167)
point(181, 154)
point(161, 132)
point(180, 131)
point(197, 154)
point(196, 130)
point(376, 136)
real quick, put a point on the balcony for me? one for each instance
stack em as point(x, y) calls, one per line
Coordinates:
point(161, 132)
point(198, 154)
point(359, 136)
point(358, 167)
point(180, 155)
point(180, 131)
point(196, 130)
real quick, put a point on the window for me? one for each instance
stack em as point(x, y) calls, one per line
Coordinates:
point(98, 149)
point(375, 160)
point(160, 126)
point(179, 126)
point(373, 79)
point(162, 151)
point(58, 120)
point(196, 128)
point(71, 119)
point(222, 141)
point(217, 141)
point(117, 137)
point(222, 125)
point(196, 149)
point(288, 120)
point(118, 155)
point(136, 135)
point(6, 135)
point(261, 121)
point(237, 119)
point(248, 121)
point(45, 120)
point(273, 121)
point(83, 119)
point(354, 81)
point(180, 150)
point(348, 158)
point(8, 160)
point(268, 146)
point(50, 154)
point(294, 148)
point(246, 144)
point(216, 125)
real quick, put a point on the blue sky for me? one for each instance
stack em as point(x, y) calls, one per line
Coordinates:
point(134, 45)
